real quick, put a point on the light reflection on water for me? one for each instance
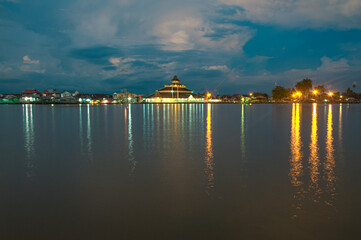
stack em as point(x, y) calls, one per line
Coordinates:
point(200, 161)
point(29, 137)
point(321, 186)
point(89, 136)
point(330, 160)
point(314, 161)
point(296, 165)
point(129, 127)
point(209, 170)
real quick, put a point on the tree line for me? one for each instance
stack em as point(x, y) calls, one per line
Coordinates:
point(305, 90)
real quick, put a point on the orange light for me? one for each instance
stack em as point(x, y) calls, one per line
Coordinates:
point(299, 94)
point(315, 92)
point(330, 94)
point(293, 95)
point(209, 95)
point(251, 94)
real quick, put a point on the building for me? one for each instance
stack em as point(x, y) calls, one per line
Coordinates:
point(174, 92)
point(51, 93)
point(30, 95)
point(68, 94)
point(9, 98)
point(126, 97)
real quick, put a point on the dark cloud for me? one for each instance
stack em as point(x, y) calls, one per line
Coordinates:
point(96, 55)
point(110, 68)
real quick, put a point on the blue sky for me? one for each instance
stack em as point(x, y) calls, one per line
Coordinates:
point(227, 46)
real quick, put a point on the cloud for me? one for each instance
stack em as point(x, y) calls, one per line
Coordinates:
point(188, 33)
point(333, 74)
point(120, 61)
point(5, 69)
point(30, 68)
point(300, 13)
point(328, 65)
point(217, 68)
point(30, 65)
point(27, 60)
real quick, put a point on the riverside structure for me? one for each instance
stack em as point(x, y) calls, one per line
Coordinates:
point(173, 93)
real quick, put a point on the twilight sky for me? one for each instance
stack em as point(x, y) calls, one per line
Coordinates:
point(231, 46)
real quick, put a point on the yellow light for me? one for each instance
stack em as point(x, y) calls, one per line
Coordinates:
point(330, 94)
point(315, 92)
point(341, 96)
point(209, 95)
point(299, 94)
point(251, 94)
point(293, 95)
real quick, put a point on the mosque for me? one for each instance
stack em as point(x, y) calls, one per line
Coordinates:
point(174, 93)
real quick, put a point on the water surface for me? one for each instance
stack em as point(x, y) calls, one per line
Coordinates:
point(180, 171)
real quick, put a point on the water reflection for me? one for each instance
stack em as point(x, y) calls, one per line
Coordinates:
point(29, 139)
point(243, 146)
point(322, 183)
point(314, 161)
point(330, 160)
point(130, 138)
point(209, 170)
point(340, 139)
point(296, 144)
point(296, 157)
point(89, 136)
point(81, 127)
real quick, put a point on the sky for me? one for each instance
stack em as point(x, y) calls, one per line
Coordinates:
point(224, 46)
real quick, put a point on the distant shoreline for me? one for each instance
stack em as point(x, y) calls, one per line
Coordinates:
point(216, 103)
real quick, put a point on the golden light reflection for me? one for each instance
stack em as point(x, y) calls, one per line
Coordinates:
point(330, 160)
point(296, 154)
point(314, 161)
point(296, 166)
point(209, 170)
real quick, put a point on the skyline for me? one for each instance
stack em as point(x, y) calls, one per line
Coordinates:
point(234, 46)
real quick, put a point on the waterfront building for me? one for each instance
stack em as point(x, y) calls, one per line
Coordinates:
point(30, 95)
point(9, 98)
point(127, 97)
point(68, 94)
point(174, 92)
point(52, 93)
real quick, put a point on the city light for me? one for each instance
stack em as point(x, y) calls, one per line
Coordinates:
point(251, 94)
point(330, 94)
point(209, 95)
point(315, 92)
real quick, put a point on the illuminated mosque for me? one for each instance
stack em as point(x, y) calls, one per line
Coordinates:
point(174, 92)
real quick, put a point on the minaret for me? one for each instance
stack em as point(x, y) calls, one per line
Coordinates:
point(175, 80)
